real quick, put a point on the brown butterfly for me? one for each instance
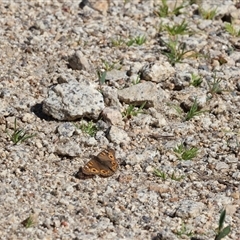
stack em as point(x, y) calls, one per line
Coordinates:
point(104, 164)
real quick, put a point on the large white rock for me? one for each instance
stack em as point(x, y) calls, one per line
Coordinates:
point(73, 100)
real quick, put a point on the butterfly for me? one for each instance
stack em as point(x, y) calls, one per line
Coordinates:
point(104, 164)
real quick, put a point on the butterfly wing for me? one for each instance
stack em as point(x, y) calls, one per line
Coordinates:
point(107, 158)
point(104, 164)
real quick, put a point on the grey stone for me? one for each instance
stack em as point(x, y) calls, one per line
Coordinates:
point(78, 61)
point(157, 72)
point(115, 75)
point(68, 148)
point(70, 101)
point(139, 93)
point(189, 208)
point(118, 135)
point(66, 129)
point(112, 116)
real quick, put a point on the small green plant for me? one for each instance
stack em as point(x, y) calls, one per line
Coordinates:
point(164, 10)
point(231, 30)
point(196, 80)
point(90, 128)
point(185, 153)
point(138, 40)
point(215, 88)
point(175, 51)
point(160, 174)
point(164, 175)
point(117, 42)
point(177, 108)
point(110, 66)
point(175, 178)
point(222, 232)
point(101, 77)
point(137, 80)
point(29, 222)
point(18, 135)
point(131, 110)
point(184, 231)
point(194, 111)
point(177, 29)
point(208, 14)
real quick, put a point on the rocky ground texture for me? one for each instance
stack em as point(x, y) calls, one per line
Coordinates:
point(120, 70)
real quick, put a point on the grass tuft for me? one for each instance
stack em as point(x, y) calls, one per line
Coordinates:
point(185, 153)
point(131, 111)
point(18, 135)
point(90, 128)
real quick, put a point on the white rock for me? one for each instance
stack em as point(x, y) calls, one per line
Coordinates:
point(70, 101)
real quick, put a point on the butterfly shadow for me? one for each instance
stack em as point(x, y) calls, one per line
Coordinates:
point(81, 175)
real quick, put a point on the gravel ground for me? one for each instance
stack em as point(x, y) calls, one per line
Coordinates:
point(46, 45)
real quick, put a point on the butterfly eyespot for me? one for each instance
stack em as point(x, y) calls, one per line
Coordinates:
point(94, 170)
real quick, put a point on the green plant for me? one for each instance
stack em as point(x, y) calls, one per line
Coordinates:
point(131, 110)
point(29, 222)
point(90, 128)
point(193, 111)
point(177, 108)
point(184, 231)
point(215, 88)
point(208, 14)
point(160, 174)
point(101, 77)
point(222, 232)
point(175, 51)
point(117, 42)
point(137, 80)
point(177, 29)
point(185, 153)
point(233, 31)
point(18, 135)
point(164, 175)
point(110, 66)
point(164, 10)
point(139, 40)
point(175, 178)
point(196, 80)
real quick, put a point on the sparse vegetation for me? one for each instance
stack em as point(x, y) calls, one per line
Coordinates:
point(29, 222)
point(177, 29)
point(110, 66)
point(164, 175)
point(215, 88)
point(18, 135)
point(208, 14)
point(184, 231)
point(90, 128)
point(137, 80)
point(222, 232)
point(231, 30)
point(165, 11)
point(101, 77)
point(131, 111)
point(175, 51)
point(196, 80)
point(117, 42)
point(185, 153)
point(138, 40)
point(160, 174)
point(194, 111)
